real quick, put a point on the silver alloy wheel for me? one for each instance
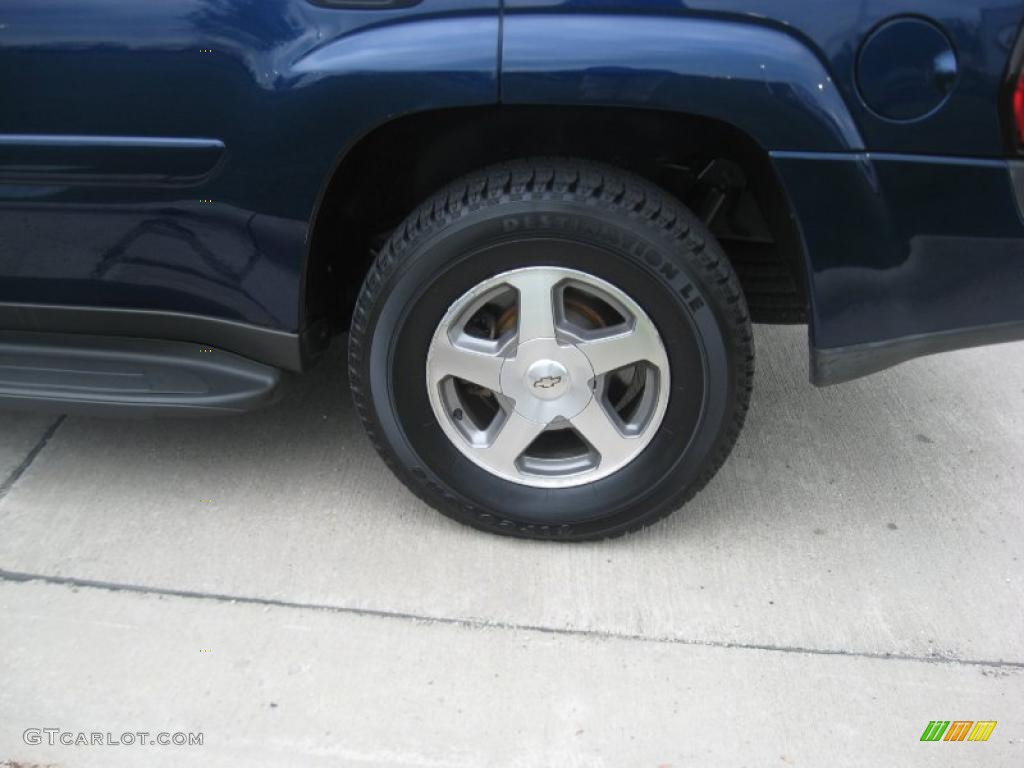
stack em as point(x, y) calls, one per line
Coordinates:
point(548, 377)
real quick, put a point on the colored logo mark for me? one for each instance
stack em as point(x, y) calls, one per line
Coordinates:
point(958, 730)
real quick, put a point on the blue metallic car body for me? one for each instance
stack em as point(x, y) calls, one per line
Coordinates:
point(285, 85)
point(168, 160)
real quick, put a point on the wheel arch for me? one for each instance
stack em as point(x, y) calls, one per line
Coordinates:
point(381, 178)
point(758, 87)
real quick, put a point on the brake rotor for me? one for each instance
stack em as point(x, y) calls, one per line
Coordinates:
point(591, 317)
point(579, 313)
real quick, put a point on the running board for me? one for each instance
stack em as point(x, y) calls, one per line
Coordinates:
point(68, 373)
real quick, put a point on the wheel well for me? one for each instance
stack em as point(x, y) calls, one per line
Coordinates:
point(718, 171)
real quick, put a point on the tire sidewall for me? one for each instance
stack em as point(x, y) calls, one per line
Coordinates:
point(632, 254)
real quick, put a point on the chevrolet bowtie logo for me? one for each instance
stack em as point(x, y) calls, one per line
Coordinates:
point(547, 382)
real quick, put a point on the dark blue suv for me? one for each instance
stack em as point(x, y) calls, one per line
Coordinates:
point(546, 225)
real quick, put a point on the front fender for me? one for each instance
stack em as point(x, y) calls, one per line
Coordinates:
point(763, 81)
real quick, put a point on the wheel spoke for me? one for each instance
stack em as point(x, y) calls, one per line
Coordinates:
point(513, 438)
point(447, 359)
point(640, 343)
point(535, 345)
point(597, 428)
point(536, 290)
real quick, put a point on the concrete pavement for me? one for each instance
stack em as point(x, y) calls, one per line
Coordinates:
point(856, 570)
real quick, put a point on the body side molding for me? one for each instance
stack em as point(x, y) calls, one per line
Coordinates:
point(120, 160)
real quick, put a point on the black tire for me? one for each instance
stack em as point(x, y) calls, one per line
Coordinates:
point(643, 241)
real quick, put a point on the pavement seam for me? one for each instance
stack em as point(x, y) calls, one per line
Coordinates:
point(472, 623)
point(22, 468)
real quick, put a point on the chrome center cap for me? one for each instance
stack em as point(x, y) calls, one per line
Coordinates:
point(547, 379)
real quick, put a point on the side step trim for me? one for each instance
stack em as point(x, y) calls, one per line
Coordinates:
point(280, 349)
point(71, 373)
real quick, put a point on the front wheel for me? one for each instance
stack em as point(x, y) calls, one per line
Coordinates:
point(552, 349)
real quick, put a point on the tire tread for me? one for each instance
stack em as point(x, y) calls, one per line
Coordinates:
point(567, 179)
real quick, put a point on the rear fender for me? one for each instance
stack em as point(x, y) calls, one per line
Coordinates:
point(757, 78)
